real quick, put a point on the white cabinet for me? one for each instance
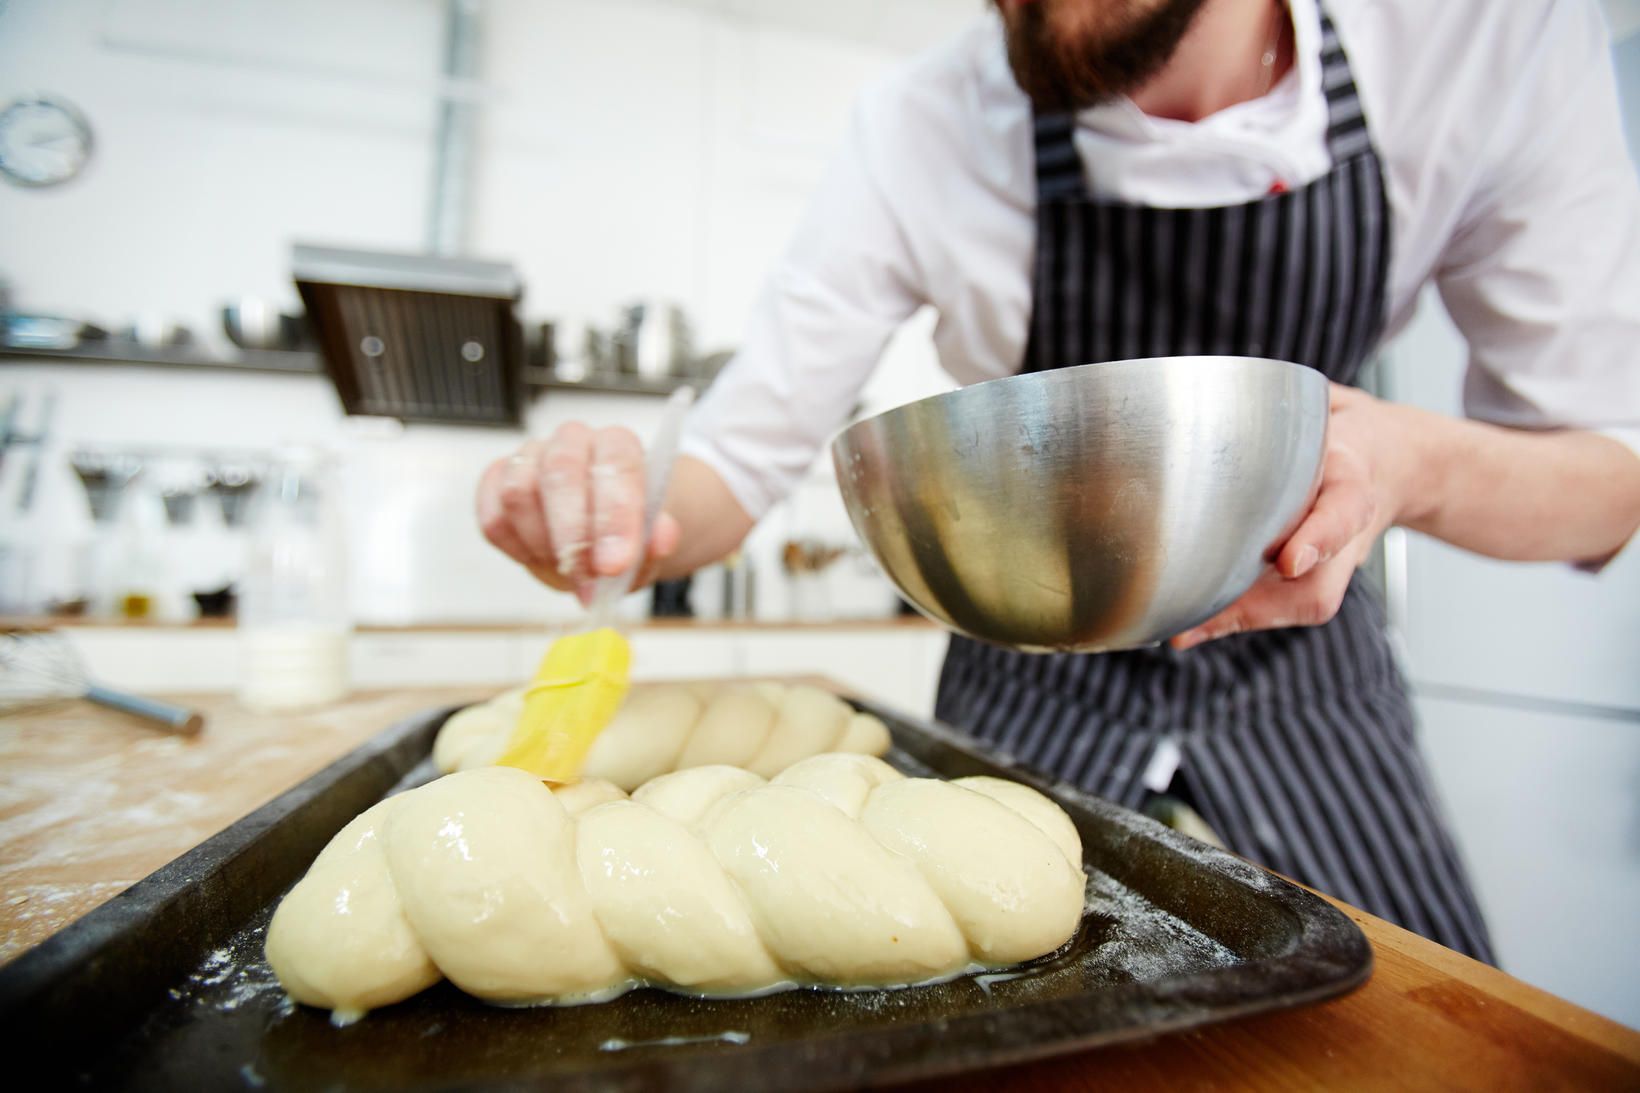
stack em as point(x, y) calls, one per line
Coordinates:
point(685, 653)
point(896, 665)
point(435, 658)
point(1544, 631)
point(150, 660)
point(1545, 810)
point(1538, 630)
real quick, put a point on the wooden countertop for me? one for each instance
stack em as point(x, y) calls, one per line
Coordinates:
point(90, 802)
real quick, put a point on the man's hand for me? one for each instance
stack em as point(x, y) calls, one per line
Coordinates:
point(570, 508)
point(1366, 479)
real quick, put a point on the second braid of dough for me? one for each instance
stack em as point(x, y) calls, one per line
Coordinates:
point(662, 727)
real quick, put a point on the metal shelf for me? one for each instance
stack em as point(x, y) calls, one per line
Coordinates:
point(307, 363)
point(611, 384)
point(288, 362)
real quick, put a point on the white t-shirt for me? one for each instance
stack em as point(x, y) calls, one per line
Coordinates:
point(1509, 185)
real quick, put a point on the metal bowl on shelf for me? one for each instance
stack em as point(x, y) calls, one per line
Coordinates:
point(1104, 506)
point(251, 323)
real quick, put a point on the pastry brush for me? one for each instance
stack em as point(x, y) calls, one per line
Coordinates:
point(584, 676)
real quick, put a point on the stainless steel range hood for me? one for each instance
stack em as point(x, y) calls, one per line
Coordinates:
point(416, 337)
point(430, 337)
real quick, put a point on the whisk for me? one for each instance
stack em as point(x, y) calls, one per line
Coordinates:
point(38, 669)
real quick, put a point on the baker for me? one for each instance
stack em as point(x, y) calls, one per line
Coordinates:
point(1072, 181)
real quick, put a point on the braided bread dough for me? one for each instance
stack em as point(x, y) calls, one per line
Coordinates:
point(710, 881)
point(763, 727)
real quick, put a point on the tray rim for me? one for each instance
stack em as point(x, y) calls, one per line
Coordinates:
point(876, 1056)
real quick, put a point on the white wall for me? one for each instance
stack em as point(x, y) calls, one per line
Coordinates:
point(1548, 818)
point(211, 154)
point(625, 149)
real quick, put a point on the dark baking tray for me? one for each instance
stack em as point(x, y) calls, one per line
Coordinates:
point(164, 986)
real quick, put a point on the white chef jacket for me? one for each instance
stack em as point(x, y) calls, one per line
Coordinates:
point(1509, 186)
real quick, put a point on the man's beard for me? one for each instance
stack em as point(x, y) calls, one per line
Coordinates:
point(1092, 51)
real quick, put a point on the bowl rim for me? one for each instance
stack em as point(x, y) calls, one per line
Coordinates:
point(1190, 360)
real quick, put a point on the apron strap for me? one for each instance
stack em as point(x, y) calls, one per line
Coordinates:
point(1346, 124)
point(1058, 167)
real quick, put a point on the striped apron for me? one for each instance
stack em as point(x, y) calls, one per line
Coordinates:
point(1296, 745)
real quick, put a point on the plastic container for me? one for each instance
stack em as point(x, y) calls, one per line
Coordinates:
point(294, 620)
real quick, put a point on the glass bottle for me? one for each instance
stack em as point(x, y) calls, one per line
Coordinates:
point(294, 621)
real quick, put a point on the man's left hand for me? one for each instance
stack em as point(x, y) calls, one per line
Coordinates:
point(1365, 478)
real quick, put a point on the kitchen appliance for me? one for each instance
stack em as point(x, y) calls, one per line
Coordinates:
point(178, 499)
point(22, 538)
point(168, 978)
point(38, 669)
point(417, 337)
point(41, 442)
point(52, 332)
point(1104, 506)
point(233, 485)
point(251, 323)
point(105, 477)
point(653, 340)
point(179, 481)
point(156, 332)
point(216, 603)
point(545, 348)
point(739, 587)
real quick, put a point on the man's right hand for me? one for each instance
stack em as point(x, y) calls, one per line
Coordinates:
point(570, 508)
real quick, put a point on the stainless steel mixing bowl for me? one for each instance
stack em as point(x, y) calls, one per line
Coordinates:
point(1105, 506)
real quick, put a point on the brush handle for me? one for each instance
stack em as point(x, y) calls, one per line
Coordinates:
point(176, 719)
point(663, 450)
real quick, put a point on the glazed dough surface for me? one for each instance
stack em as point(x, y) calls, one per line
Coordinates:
point(763, 727)
point(710, 880)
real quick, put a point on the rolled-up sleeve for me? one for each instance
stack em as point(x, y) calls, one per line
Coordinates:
point(1543, 275)
point(826, 310)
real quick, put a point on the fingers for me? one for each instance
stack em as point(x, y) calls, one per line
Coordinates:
point(1342, 395)
point(663, 540)
point(664, 537)
point(521, 502)
point(571, 508)
point(509, 513)
point(533, 505)
point(1343, 510)
point(1313, 568)
point(564, 486)
point(492, 516)
point(617, 500)
point(1275, 602)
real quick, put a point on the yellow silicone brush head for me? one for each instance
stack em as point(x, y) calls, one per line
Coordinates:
point(581, 683)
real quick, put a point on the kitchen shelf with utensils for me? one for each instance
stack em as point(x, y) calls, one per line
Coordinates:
point(281, 361)
point(306, 363)
point(608, 383)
